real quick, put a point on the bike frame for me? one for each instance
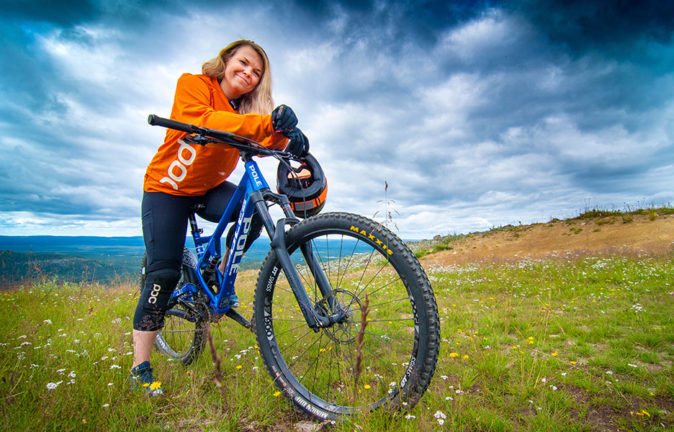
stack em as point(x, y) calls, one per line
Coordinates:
point(252, 194)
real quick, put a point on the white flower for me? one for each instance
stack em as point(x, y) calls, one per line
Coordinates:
point(439, 415)
point(52, 386)
point(47, 321)
point(72, 374)
point(444, 377)
point(115, 367)
point(441, 422)
point(632, 365)
point(410, 416)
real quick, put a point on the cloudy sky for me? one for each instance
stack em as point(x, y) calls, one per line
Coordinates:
point(477, 113)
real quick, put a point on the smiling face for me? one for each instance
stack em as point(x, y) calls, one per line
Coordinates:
point(243, 72)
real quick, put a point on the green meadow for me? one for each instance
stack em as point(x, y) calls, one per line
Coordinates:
point(550, 345)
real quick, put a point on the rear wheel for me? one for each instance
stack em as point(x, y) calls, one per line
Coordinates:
point(185, 323)
point(326, 373)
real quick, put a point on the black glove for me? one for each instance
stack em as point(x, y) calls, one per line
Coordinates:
point(283, 119)
point(298, 144)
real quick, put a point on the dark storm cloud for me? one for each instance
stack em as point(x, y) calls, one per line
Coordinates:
point(613, 27)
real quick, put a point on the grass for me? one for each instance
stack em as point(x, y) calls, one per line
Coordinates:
point(536, 345)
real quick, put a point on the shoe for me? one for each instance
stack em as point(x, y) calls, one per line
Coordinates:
point(141, 378)
point(234, 301)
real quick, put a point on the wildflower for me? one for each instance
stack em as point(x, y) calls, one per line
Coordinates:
point(106, 405)
point(110, 384)
point(277, 394)
point(52, 386)
point(72, 374)
point(115, 366)
point(465, 357)
point(439, 415)
point(444, 377)
point(573, 362)
point(47, 321)
point(632, 365)
point(453, 354)
point(367, 387)
point(609, 372)
point(239, 366)
point(155, 385)
point(410, 416)
point(554, 354)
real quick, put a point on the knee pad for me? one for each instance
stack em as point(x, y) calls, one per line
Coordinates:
point(154, 298)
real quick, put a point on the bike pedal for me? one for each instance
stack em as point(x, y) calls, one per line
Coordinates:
point(236, 316)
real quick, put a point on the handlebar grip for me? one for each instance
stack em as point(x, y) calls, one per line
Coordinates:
point(155, 120)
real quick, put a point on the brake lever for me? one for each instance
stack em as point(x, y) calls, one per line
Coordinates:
point(198, 139)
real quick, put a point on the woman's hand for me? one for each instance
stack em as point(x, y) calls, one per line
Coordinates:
point(298, 144)
point(283, 119)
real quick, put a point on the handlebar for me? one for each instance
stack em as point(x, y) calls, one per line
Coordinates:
point(215, 136)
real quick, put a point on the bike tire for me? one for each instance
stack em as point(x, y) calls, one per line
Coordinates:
point(183, 336)
point(317, 371)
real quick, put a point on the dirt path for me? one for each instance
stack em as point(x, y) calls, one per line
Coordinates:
point(628, 235)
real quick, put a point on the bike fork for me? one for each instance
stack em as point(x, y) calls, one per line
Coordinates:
point(314, 320)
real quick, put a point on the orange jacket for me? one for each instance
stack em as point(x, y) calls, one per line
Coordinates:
point(180, 168)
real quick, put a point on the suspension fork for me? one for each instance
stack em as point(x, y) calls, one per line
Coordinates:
point(277, 234)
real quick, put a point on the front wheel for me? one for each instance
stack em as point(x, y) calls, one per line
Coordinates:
point(383, 354)
point(185, 323)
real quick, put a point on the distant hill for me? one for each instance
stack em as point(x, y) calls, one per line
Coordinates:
point(638, 233)
point(84, 259)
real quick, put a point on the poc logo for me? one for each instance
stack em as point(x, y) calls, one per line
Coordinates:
point(178, 168)
point(153, 295)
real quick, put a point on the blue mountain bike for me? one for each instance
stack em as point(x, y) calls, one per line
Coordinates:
point(344, 315)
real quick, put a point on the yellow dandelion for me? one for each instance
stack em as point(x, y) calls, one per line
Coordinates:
point(155, 385)
point(465, 356)
point(554, 354)
point(573, 362)
point(453, 354)
point(643, 411)
point(367, 387)
point(239, 366)
point(459, 331)
point(277, 394)
point(146, 384)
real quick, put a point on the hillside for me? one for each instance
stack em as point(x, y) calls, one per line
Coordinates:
point(593, 233)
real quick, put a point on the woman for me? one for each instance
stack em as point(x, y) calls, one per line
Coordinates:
point(233, 94)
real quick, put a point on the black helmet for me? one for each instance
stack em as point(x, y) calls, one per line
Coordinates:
point(305, 186)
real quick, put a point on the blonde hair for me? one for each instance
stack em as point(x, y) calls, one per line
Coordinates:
point(259, 100)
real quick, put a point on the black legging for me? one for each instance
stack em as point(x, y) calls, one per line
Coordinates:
point(164, 227)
